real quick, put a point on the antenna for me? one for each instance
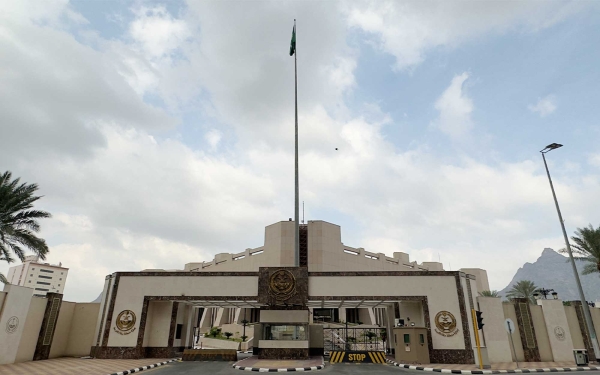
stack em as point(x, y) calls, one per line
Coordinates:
point(302, 212)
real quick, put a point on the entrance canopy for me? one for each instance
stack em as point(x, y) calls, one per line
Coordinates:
point(225, 304)
point(349, 304)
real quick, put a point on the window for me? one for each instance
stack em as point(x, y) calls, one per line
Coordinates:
point(28, 281)
point(61, 273)
point(285, 332)
point(421, 339)
point(44, 277)
point(58, 284)
point(178, 331)
point(48, 271)
point(406, 338)
point(45, 290)
point(43, 283)
point(60, 278)
point(38, 295)
point(32, 268)
point(31, 274)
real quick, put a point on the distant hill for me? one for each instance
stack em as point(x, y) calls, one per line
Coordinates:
point(98, 300)
point(552, 271)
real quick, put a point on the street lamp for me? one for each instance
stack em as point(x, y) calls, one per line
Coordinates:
point(584, 305)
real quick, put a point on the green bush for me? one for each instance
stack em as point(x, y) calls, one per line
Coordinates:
point(228, 335)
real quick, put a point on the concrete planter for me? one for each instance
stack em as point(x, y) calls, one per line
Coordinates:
point(207, 342)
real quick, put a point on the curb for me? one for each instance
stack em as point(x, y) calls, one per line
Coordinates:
point(264, 369)
point(516, 371)
point(138, 369)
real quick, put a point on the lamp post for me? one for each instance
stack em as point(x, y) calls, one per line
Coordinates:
point(584, 305)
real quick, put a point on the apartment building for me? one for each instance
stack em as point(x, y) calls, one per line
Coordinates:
point(41, 277)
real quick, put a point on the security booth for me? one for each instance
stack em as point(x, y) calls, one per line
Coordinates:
point(411, 345)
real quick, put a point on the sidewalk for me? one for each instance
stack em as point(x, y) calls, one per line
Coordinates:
point(498, 368)
point(264, 365)
point(77, 366)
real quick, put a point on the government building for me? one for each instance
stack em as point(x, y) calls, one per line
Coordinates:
point(339, 299)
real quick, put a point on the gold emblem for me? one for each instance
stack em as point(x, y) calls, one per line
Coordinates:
point(282, 285)
point(445, 324)
point(125, 322)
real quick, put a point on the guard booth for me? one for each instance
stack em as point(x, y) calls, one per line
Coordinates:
point(411, 345)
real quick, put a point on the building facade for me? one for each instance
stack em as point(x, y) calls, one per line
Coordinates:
point(41, 277)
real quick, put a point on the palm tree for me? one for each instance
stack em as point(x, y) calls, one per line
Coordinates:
point(523, 289)
point(586, 248)
point(18, 221)
point(489, 293)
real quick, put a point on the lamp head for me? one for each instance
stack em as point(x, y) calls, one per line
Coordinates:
point(550, 147)
point(555, 295)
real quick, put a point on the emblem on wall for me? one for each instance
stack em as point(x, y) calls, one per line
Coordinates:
point(282, 285)
point(445, 324)
point(12, 324)
point(125, 322)
point(559, 332)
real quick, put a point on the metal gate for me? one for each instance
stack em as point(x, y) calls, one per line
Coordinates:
point(354, 339)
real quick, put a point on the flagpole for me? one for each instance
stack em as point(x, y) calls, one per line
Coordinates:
point(297, 205)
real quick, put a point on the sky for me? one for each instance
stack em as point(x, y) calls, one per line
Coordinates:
point(162, 132)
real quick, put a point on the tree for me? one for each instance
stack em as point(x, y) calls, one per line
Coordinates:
point(523, 289)
point(19, 221)
point(586, 248)
point(489, 293)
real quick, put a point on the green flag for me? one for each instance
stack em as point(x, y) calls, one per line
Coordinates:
point(293, 43)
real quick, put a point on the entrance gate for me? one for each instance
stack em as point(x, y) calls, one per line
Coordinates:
point(356, 341)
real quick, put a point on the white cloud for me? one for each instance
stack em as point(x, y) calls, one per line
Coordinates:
point(455, 109)
point(408, 30)
point(544, 106)
point(157, 31)
point(125, 196)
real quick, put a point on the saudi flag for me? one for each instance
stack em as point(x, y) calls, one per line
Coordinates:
point(293, 43)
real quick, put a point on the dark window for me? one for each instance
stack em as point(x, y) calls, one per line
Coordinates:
point(61, 273)
point(421, 339)
point(43, 283)
point(60, 278)
point(178, 331)
point(29, 281)
point(38, 295)
point(406, 338)
point(58, 284)
point(30, 274)
point(45, 290)
point(44, 277)
point(48, 271)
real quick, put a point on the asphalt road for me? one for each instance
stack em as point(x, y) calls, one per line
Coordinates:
point(224, 368)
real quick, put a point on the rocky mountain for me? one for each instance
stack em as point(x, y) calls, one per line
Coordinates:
point(553, 271)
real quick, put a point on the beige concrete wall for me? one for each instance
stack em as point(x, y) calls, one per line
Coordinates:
point(595, 313)
point(509, 313)
point(481, 277)
point(31, 331)
point(158, 332)
point(325, 253)
point(276, 344)
point(132, 290)
point(440, 291)
point(541, 333)
point(2, 297)
point(100, 321)
point(284, 316)
point(496, 337)
point(180, 319)
point(557, 327)
point(412, 310)
point(16, 306)
point(62, 330)
point(81, 335)
point(574, 328)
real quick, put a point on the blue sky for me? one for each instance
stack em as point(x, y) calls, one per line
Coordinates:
point(161, 133)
